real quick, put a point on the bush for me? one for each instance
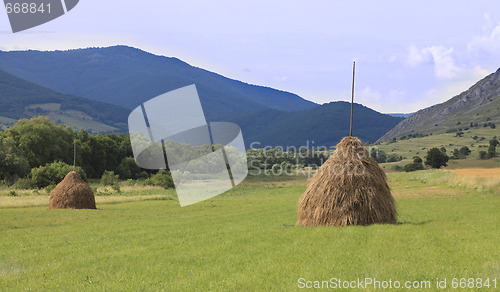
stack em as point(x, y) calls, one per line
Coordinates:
point(109, 178)
point(413, 167)
point(394, 158)
point(52, 174)
point(483, 154)
point(24, 184)
point(162, 179)
point(49, 188)
point(397, 168)
point(379, 155)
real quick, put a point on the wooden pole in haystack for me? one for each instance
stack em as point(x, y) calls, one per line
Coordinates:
point(74, 155)
point(350, 188)
point(352, 96)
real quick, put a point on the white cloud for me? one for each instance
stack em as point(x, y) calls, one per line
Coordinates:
point(444, 63)
point(488, 22)
point(281, 79)
point(367, 95)
point(417, 57)
point(479, 72)
point(488, 44)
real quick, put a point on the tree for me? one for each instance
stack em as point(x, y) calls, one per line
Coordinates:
point(379, 155)
point(41, 141)
point(435, 158)
point(13, 164)
point(492, 148)
point(464, 151)
point(455, 154)
point(129, 169)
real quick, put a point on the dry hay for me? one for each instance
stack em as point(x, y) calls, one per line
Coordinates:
point(348, 189)
point(72, 193)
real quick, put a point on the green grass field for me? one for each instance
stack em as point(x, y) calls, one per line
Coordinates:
point(246, 240)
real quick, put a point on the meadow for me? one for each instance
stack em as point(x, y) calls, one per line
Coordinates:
point(419, 146)
point(246, 239)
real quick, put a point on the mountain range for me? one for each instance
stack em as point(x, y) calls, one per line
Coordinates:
point(81, 85)
point(22, 99)
point(129, 77)
point(479, 104)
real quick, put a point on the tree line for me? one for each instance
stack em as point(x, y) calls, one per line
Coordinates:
point(38, 142)
point(37, 152)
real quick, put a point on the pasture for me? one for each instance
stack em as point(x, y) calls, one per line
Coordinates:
point(246, 239)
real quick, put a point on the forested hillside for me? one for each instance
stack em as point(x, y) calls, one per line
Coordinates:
point(20, 99)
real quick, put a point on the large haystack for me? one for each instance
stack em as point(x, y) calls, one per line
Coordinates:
point(72, 193)
point(348, 189)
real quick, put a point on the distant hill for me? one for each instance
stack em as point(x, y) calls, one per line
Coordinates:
point(399, 115)
point(127, 76)
point(323, 125)
point(22, 99)
point(479, 104)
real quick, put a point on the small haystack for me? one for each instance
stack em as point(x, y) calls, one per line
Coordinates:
point(348, 189)
point(72, 193)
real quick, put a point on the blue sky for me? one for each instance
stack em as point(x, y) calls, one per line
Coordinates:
point(410, 54)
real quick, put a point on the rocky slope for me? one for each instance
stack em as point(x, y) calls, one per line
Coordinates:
point(479, 104)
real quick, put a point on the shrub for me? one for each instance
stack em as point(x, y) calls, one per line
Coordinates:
point(379, 155)
point(162, 178)
point(109, 178)
point(12, 193)
point(464, 151)
point(276, 169)
point(397, 168)
point(49, 188)
point(413, 167)
point(482, 154)
point(394, 158)
point(24, 184)
point(52, 174)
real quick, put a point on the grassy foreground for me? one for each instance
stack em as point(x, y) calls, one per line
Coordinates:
point(246, 240)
